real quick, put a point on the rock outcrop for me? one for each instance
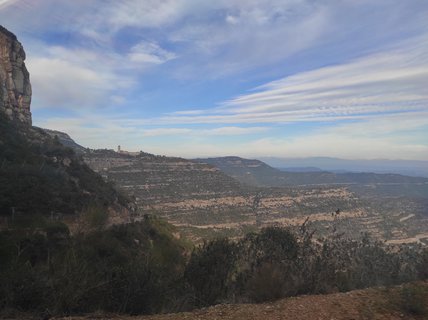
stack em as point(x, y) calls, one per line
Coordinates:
point(65, 140)
point(15, 87)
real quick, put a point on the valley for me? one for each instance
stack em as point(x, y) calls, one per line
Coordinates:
point(208, 198)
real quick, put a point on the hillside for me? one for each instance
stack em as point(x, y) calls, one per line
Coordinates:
point(65, 140)
point(204, 201)
point(252, 172)
point(389, 206)
point(171, 177)
point(40, 176)
point(46, 270)
point(179, 190)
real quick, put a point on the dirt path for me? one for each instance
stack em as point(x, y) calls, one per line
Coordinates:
point(379, 304)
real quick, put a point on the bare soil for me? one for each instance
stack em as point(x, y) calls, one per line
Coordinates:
point(374, 303)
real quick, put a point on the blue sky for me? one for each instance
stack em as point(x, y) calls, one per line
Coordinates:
point(196, 78)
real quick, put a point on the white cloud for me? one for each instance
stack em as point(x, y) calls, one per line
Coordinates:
point(207, 33)
point(188, 112)
point(149, 53)
point(221, 131)
point(212, 38)
point(165, 132)
point(232, 19)
point(58, 82)
point(62, 83)
point(228, 131)
point(71, 78)
point(250, 35)
point(5, 3)
point(148, 13)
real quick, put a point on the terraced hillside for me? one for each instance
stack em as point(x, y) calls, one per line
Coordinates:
point(206, 202)
point(203, 201)
point(391, 207)
point(175, 188)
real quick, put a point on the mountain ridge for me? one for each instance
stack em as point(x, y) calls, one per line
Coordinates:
point(418, 168)
point(65, 140)
point(258, 173)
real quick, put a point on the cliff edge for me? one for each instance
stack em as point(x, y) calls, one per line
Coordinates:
point(15, 87)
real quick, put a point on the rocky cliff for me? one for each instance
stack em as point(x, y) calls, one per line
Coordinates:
point(39, 177)
point(15, 87)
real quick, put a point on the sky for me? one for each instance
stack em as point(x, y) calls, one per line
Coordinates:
point(199, 78)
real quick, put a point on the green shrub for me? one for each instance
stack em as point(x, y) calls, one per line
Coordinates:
point(209, 271)
point(414, 299)
point(95, 217)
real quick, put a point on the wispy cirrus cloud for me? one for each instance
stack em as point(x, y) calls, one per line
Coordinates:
point(393, 81)
point(220, 131)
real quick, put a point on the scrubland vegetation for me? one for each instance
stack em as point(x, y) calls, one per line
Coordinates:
point(144, 267)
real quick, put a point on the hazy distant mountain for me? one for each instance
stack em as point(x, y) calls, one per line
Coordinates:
point(258, 173)
point(405, 167)
point(301, 169)
point(252, 172)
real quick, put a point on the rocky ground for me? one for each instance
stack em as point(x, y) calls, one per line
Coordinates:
point(401, 302)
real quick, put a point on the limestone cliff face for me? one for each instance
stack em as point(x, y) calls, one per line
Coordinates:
point(15, 87)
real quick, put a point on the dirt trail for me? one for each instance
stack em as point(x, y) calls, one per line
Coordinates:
point(378, 303)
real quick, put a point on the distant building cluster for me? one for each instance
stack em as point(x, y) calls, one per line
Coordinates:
point(119, 150)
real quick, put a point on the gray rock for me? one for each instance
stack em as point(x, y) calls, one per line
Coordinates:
point(15, 87)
